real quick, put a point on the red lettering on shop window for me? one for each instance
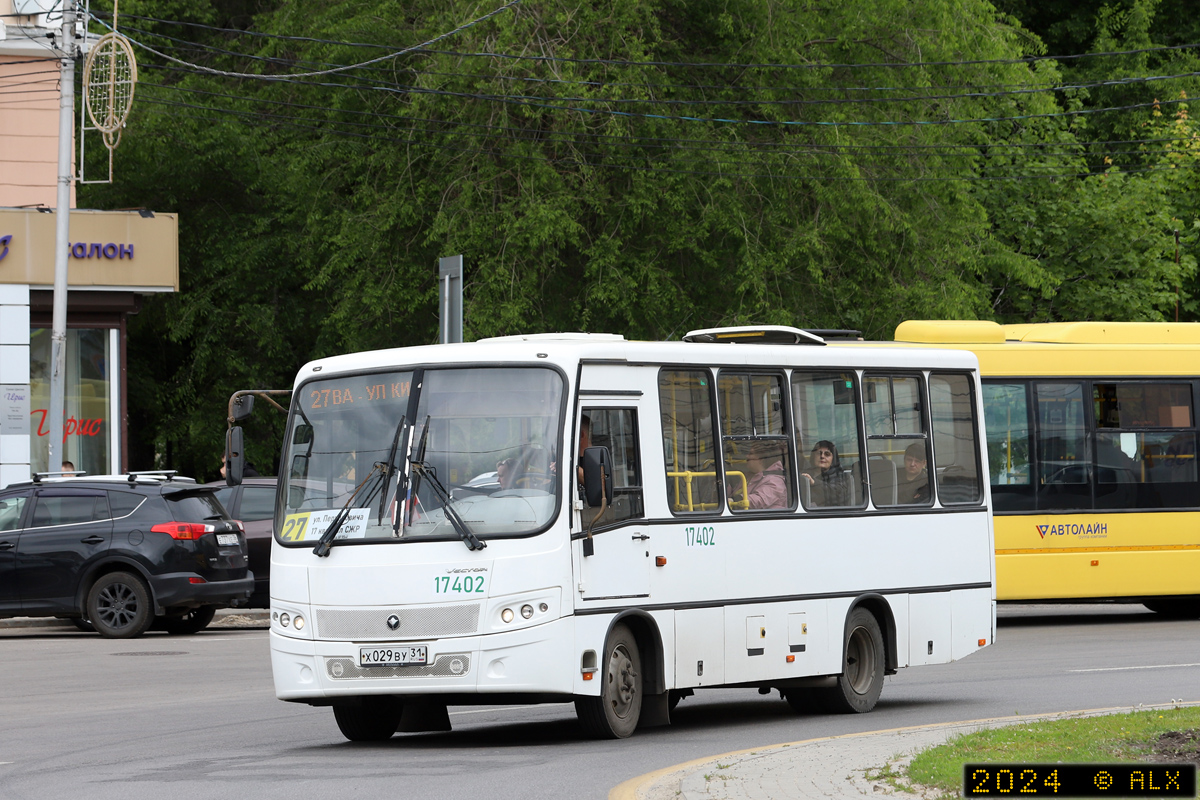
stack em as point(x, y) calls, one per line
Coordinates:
point(71, 426)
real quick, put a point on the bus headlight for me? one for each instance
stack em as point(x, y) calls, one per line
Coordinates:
point(507, 615)
point(526, 611)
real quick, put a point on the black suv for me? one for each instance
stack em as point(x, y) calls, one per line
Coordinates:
point(120, 553)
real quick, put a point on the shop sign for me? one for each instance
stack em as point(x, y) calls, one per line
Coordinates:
point(14, 408)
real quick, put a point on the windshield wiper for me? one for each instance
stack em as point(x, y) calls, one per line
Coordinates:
point(326, 540)
point(460, 526)
point(391, 470)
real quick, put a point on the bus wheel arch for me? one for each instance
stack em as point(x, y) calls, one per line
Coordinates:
point(878, 605)
point(649, 641)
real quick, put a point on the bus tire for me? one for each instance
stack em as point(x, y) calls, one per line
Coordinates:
point(615, 713)
point(1175, 608)
point(368, 719)
point(857, 688)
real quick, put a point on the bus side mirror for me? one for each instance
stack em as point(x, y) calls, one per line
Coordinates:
point(235, 457)
point(242, 407)
point(597, 476)
point(303, 434)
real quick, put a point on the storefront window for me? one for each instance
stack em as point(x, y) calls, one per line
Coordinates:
point(88, 417)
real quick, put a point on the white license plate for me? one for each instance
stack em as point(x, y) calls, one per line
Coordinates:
point(227, 538)
point(396, 656)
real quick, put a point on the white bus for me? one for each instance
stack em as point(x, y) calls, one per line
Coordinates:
point(745, 519)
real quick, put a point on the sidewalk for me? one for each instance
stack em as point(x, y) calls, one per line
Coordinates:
point(226, 618)
point(829, 768)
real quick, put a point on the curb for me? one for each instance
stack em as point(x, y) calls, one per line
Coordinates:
point(680, 780)
point(226, 618)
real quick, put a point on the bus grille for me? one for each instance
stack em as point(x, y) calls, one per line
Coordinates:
point(344, 669)
point(415, 623)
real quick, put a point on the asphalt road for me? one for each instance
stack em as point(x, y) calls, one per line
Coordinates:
point(181, 717)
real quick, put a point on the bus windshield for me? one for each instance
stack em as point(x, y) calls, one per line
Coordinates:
point(485, 439)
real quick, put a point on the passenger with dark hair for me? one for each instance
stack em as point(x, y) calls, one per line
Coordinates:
point(829, 484)
point(913, 485)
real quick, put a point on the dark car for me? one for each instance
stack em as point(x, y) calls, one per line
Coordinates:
point(253, 504)
point(120, 553)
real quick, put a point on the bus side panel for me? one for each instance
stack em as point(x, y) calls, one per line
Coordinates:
point(760, 637)
point(1135, 555)
point(972, 621)
point(699, 647)
point(930, 633)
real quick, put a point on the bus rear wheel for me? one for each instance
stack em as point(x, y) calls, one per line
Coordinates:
point(857, 689)
point(1175, 608)
point(368, 719)
point(615, 713)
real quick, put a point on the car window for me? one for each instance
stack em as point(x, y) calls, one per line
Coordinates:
point(225, 497)
point(69, 510)
point(258, 502)
point(197, 507)
point(124, 503)
point(11, 509)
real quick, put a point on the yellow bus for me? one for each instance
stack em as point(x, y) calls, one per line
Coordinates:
point(1091, 437)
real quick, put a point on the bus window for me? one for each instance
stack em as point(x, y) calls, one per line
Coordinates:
point(826, 414)
point(898, 453)
point(756, 447)
point(1006, 419)
point(955, 447)
point(1145, 448)
point(616, 429)
point(1064, 463)
point(689, 448)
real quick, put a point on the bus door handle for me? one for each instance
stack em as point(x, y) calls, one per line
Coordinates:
point(639, 537)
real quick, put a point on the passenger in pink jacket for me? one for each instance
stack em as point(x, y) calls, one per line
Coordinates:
point(766, 486)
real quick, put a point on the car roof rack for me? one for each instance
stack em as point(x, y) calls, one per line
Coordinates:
point(161, 474)
point(755, 334)
point(69, 473)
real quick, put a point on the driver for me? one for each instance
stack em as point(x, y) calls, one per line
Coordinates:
point(506, 472)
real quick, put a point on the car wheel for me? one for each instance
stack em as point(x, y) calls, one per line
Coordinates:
point(188, 622)
point(119, 607)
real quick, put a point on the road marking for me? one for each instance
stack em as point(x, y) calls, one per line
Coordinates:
point(1123, 669)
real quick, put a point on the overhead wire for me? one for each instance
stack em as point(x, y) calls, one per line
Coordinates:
point(622, 62)
point(544, 136)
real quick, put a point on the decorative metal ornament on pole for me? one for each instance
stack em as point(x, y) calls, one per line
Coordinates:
point(62, 229)
point(109, 80)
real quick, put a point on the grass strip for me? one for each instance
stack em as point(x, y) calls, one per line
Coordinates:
point(1112, 737)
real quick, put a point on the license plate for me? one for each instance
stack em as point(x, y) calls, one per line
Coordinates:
point(225, 539)
point(401, 656)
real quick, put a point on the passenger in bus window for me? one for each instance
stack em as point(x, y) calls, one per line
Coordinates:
point(766, 484)
point(913, 486)
point(830, 483)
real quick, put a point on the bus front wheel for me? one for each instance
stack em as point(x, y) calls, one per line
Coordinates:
point(368, 719)
point(615, 713)
point(857, 689)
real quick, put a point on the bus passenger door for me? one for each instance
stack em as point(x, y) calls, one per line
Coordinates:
point(619, 566)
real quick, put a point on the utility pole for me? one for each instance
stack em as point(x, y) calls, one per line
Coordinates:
point(66, 179)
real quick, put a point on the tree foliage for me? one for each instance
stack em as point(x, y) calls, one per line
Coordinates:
point(641, 167)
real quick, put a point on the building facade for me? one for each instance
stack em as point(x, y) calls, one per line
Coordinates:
point(115, 259)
